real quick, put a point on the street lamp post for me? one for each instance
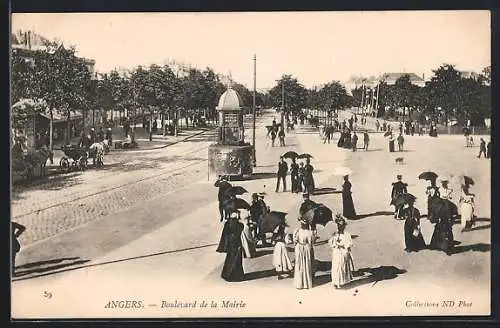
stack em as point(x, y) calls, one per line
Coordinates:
point(254, 108)
point(282, 103)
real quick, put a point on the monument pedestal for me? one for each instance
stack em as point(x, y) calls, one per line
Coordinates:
point(235, 161)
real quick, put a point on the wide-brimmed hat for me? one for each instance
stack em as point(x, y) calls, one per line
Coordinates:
point(399, 176)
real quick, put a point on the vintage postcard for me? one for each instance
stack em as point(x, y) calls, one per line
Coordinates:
point(260, 164)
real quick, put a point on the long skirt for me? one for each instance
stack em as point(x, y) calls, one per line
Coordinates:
point(303, 274)
point(391, 146)
point(281, 261)
point(414, 241)
point(440, 238)
point(466, 213)
point(342, 267)
point(348, 206)
point(233, 265)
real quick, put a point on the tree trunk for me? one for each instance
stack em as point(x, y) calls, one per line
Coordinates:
point(163, 121)
point(68, 132)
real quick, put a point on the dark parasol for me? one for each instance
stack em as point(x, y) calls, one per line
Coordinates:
point(305, 155)
point(319, 215)
point(272, 220)
point(467, 180)
point(388, 133)
point(290, 154)
point(222, 184)
point(403, 199)
point(234, 204)
point(236, 190)
point(429, 176)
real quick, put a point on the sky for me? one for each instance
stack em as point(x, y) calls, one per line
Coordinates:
point(315, 47)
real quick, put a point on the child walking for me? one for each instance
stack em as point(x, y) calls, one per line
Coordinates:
point(281, 261)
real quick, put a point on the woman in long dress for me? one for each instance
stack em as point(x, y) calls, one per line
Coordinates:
point(233, 264)
point(342, 262)
point(466, 208)
point(281, 260)
point(303, 273)
point(347, 203)
point(414, 241)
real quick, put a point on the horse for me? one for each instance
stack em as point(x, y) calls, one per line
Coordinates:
point(96, 151)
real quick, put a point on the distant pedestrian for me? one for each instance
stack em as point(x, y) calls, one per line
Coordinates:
point(377, 125)
point(354, 142)
point(281, 135)
point(294, 175)
point(300, 182)
point(401, 141)
point(391, 143)
point(482, 148)
point(401, 128)
point(282, 171)
point(17, 230)
point(413, 128)
point(488, 149)
point(273, 137)
point(366, 140)
point(308, 177)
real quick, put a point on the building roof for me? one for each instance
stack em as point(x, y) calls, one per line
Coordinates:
point(230, 100)
point(394, 76)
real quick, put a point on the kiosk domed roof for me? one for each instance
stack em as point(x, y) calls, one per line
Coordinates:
point(230, 100)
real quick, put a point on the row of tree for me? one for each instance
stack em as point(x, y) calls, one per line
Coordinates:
point(445, 97)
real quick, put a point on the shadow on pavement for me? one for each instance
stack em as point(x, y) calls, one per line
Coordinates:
point(379, 213)
point(325, 191)
point(56, 181)
point(486, 226)
point(112, 262)
point(47, 266)
point(259, 274)
point(265, 175)
point(479, 247)
point(123, 167)
point(374, 275)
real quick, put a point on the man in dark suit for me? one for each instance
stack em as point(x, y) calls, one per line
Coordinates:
point(282, 171)
point(398, 188)
point(294, 175)
point(223, 186)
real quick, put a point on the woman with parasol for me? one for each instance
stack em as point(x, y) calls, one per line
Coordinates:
point(303, 240)
point(414, 241)
point(342, 262)
point(466, 207)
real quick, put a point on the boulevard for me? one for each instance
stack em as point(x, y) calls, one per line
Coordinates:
point(150, 232)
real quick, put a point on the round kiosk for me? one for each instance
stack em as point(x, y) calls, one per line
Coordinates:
point(231, 155)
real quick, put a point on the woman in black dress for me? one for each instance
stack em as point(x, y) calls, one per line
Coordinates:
point(231, 245)
point(17, 230)
point(347, 203)
point(414, 241)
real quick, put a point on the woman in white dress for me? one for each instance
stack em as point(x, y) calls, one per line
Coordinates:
point(303, 273)
point(466, 207)
point(342, 263)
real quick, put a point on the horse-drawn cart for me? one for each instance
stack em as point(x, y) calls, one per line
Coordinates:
point(77, 154)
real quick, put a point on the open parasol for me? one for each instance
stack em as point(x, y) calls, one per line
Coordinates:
point(429, 176)
point(403, 199)
point(235, 191)
point(290, 154)
point(319, 215)
point(234, 204)
point(388, 133)
point(467, 180)
point(305, 155)
point(272, 220)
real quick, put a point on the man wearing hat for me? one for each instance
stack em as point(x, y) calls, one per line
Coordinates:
point(282, 171)
point(398, 188)
point(109, 137)
point(257, 210)
point(221, 196)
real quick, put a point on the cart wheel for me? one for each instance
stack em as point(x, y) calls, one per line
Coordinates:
point(64, 164)
point(82, 163)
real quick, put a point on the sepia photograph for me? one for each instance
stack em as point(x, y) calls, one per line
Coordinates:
point(250, 164)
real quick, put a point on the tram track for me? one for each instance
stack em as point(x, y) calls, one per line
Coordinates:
point(161, 172)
